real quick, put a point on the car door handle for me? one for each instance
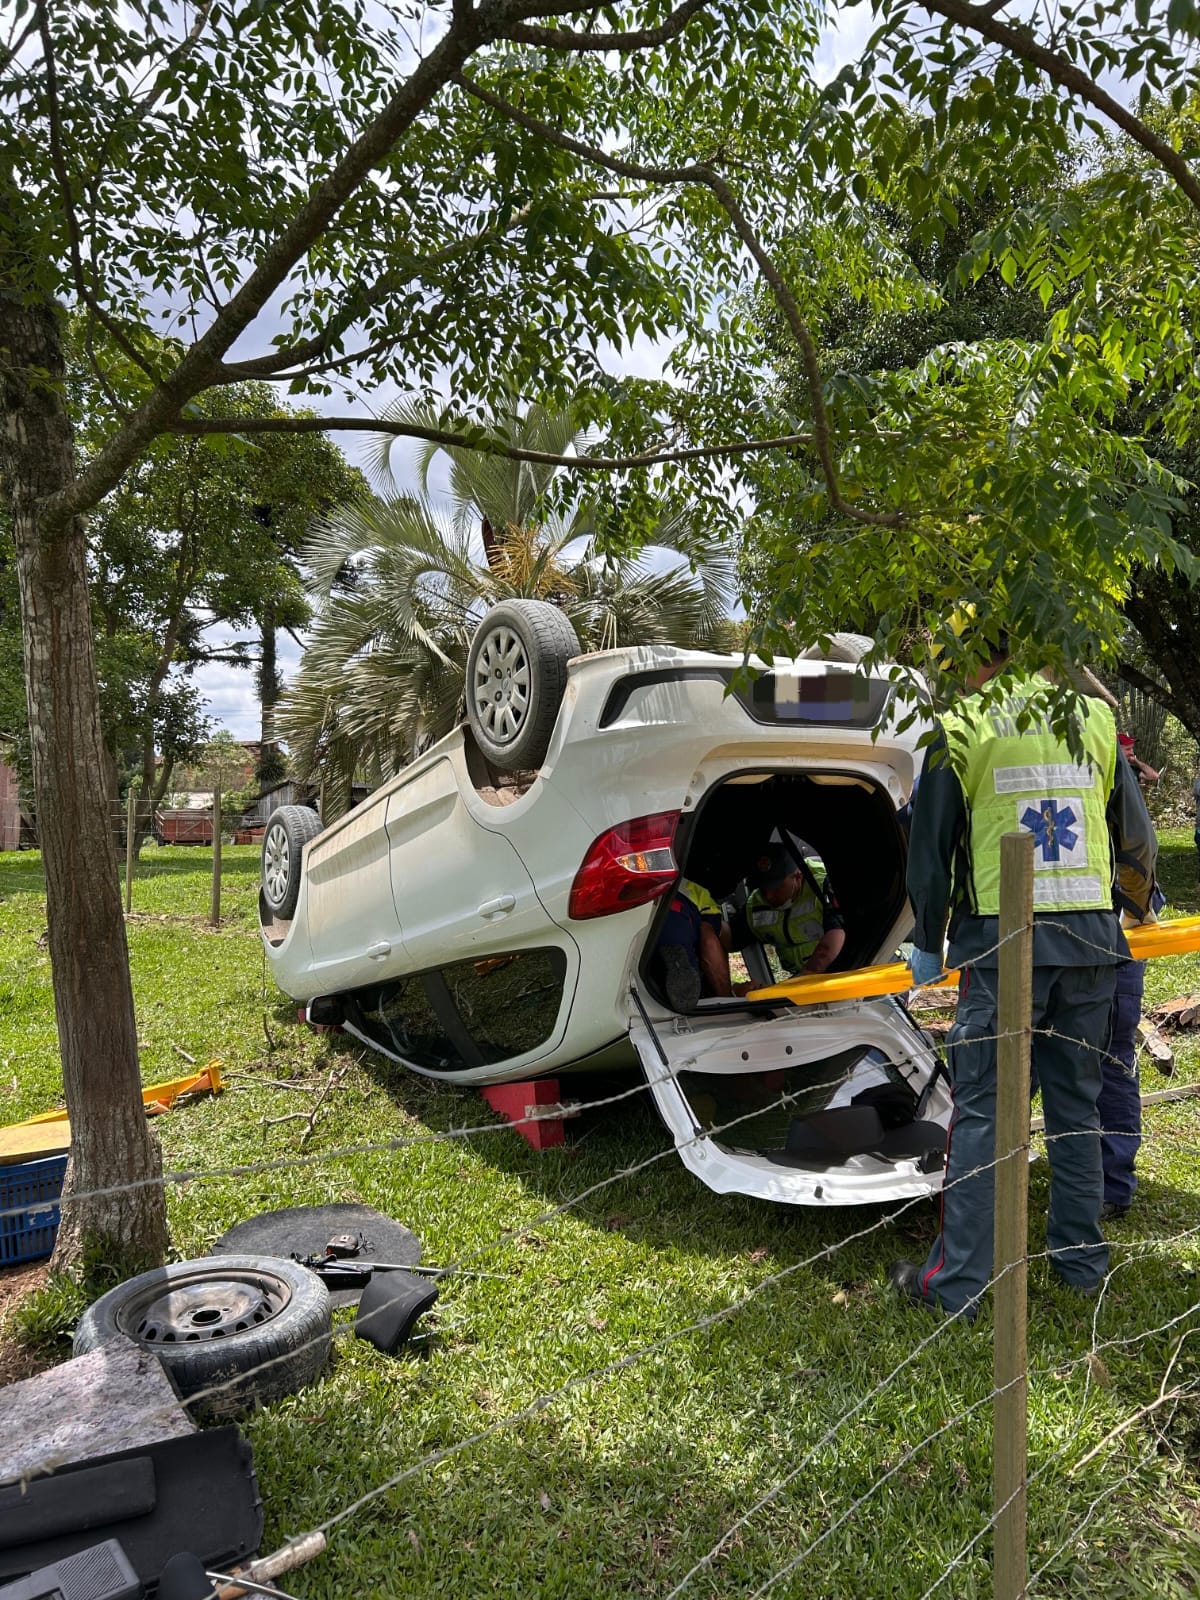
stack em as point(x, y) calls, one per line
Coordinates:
point(498, 907)
point(379, 949)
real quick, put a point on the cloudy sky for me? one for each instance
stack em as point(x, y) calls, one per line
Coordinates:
point(229, 691)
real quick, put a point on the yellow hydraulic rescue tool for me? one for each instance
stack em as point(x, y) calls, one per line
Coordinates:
point(865, 983)
point(49, 1133)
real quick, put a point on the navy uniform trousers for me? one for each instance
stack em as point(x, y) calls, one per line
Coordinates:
point(1121, 1093)
point(1071, 1014)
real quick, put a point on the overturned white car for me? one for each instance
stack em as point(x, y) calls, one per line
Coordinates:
point(481, 927)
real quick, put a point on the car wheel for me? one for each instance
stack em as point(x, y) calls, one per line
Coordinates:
point(253, 1328)
point(516, 677)
point(851, 647)
point(289, 829)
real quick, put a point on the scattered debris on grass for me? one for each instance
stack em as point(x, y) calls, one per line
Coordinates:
point(1183, 1012)
point(335, 1080)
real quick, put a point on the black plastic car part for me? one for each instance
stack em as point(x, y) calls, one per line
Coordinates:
point(99, 1573)
point(45, 1507)
point(390, 1305)
point(205, 1499)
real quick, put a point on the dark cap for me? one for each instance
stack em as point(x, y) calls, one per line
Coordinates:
point(774, 865)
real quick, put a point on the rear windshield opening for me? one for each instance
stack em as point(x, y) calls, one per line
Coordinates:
point(844, 829)
point(817, 1116)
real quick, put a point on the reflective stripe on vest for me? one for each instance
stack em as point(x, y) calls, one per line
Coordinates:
point(795, 929)
point(700, 898)
point(1030, 782)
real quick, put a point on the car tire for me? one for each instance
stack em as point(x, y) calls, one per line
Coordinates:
point(848, 647)
point(516, 678)
point(289, 830)
point(235, 1331)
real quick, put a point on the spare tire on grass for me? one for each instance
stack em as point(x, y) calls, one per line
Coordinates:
point(516, 677)
point(250, 1328)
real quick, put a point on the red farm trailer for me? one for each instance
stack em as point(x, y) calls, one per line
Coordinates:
point(183, 827)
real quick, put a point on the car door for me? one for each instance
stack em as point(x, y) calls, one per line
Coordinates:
point(350, 913)
point(459, 889)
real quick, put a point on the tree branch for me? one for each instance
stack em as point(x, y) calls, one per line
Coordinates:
point(1020, 43)
point(62, 178)
point(308, 351)
point(704, 175)
point(173, 58)
point(484, 445)
point(640, 39)
point(199, 366)
point(1152, 689)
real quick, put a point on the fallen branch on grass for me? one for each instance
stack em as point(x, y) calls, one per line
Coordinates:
point(334, 1081)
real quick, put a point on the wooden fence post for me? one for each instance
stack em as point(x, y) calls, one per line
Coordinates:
point(1014, 1013)
point(214, 914)
point(130, 833)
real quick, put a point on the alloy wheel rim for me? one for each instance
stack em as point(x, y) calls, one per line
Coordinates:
point(276, 864)
point(501, 689)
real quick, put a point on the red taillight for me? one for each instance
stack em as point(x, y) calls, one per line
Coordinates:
point(627, 866)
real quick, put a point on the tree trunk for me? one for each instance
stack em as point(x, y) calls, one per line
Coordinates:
point(268, 678)
point(1162, 607)
point(112, 1146)
point(270, 767)
point(491, 545)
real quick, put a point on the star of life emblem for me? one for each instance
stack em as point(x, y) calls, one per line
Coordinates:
point(1057, 828)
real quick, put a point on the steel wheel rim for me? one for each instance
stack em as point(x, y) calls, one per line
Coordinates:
point(277, 864)
point(204, 1307)
point(501, 690)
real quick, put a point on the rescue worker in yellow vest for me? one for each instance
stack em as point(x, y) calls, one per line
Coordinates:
point(789, 909)
point(985, 776)
point(693, 947)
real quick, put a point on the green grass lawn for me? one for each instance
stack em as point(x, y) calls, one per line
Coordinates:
point(812, 1378)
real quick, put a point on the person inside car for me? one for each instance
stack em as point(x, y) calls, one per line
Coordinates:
point(788, 908)
point(693, 947)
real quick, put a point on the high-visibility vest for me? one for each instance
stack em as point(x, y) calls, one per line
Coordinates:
point(795, 929)
point(700, 898)
point(1031, 781)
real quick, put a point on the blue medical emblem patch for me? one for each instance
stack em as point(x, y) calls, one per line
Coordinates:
point(1051, 828)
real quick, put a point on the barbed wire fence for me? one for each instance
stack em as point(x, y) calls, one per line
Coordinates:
point(1004, 1528)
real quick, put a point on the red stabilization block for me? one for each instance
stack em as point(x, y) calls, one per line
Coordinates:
point(514, 1101)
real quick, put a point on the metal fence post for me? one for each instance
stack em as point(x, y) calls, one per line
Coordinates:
point(1014, 1012)
point(130, 834)
point(214, 914)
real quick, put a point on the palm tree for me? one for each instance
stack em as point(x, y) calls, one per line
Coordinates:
point(399, 587)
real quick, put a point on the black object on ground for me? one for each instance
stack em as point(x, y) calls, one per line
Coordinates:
point(99, 1573)
point(184, 1578)
point(301, 1231)
point(205, 1499)
point(248, 1328)
point(390, 1305)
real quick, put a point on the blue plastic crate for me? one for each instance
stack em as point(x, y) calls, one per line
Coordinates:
point(29, 1193)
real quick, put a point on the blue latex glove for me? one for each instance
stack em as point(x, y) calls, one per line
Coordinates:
point(926, 967)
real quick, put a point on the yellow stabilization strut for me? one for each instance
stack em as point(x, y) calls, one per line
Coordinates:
point(865, 983)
